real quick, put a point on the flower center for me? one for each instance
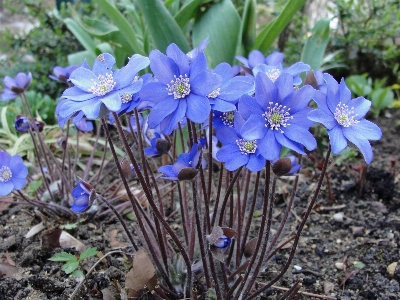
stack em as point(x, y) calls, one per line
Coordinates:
point(247, 147)
point(126, 97)
point(180, 88)
point(273, 74)
point(228, 118)
point(345, 116)
point(5, 174)
point(277, 116)
point(105, 85)
point(214, 93)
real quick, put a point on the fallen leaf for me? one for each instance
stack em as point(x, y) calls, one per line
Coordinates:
point(142, 276)
point(7, 202)
point(107, 294)
point(9, 271)
point(391, 269)
point(68, 241)
point(51, 240)
point(35, 230)
point(328, 286)
point(113, 241)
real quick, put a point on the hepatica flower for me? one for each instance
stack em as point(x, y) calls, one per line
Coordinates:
point(83, 194)
point(181, 90)
point(343, 117)
point(236, 150)
point(101, 89)
point(62, 74)
point(15, 86)
point(13, 173)
point(277, 116)
point(185, 167)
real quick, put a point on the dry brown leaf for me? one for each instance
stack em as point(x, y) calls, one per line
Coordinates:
point(68, 241)
point(51, 240)
point(113, 241)
point(4, 205)
point(142, 276)
point(328, 286)
point(35, 230)
point(9, 271)
point(107, 294)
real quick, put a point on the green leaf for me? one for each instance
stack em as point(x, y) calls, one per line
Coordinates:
point(381, 98)
point(69, 226)
point(63, 256)
point(248, 25)
point(223, 32)
point(33, 186)
point(82, 36)
point(271, 31)
point(69, 267)
point(88, 253)
point(130, 42)
point(187, 12)
point(79, 57)
point(162, 26)
point(77, 273)
point(359, 264)
point(314, 49)
point(359, 85)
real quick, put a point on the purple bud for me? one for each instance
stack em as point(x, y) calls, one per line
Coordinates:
point(21, 124)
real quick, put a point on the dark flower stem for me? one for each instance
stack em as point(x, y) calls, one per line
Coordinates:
point(298, 234)
point(221, 175)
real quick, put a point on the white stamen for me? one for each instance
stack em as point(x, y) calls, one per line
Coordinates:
point(214, 93)
point(180, 88)
point(5, 174)
point(247, 147)
point(105, 85)
point(277, 116)
point(273, 74)
point(344, 115)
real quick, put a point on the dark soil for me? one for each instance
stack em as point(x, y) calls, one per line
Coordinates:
point(336, 259)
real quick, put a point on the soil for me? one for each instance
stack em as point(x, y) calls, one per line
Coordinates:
point(344, 253)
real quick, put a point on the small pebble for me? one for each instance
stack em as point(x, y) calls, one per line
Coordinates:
point(298, 268)
point(338, 241)
point(339, 265)
point(338, 217)
point(390, 235)
point(391, 268)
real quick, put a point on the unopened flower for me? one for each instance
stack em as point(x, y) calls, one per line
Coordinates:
point(343, 117)
point(83, 194)
point(276, 117)
point(159, 146)
point(101, 89)
point(13, 173)
point(15, 86)
point(181, 90)
point(185, 168)
point(285, 166)
point(62, 74)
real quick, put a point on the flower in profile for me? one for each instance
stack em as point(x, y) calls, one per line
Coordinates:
point(15, 86)
point(185, 168)
point(219, 240)
point(83, 194)
point(13, 173)
point(277, 116)
point(84, 125)
point(101, 89)
point(237, 151)
point(181, 90)
point(343, 117)
point(62, 74)
point(21, 124)
point(159, 146)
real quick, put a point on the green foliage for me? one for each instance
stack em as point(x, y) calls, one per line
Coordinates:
point(127, 27)
point(72, 263)
point(366, 32)
point(380, 96)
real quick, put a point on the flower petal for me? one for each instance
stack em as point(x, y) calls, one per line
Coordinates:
point(83, 78)
point(360, 141)
point(180, 58)
point(254, 128)
point(337, 139)
point(301, 135)
point(18, 182)
point(288, 143)
point(168, 124)
point(163, 67)
point(269, 147)
point(368, 129)
point(161, 110)
point(255, 163)
point(112, 101)
point(154, 92)
point(204, 83)
point(103, 64)
point(248, 106)
point(77, 94)
point(6, 188)
point(300, 99)
point(266, 91)
point(361, 107)
point(198, 108)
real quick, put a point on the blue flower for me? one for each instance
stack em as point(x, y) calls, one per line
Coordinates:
point(97, 91)
point(256, 58)
point(199, 49)
point(83, 194)
point(343, 117)
point(84, 125)
point(185, 167)
point(62, 74)
point(181, 90)
point(286, 166)
point(237, 151)
point(15, 86)
point(13, 173)
point(159, 146)
point(231, 89)
point(277, 116)
point(21, 124)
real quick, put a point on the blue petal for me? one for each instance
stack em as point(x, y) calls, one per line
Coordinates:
point(269, 147)
point(126, 75)
point(248, 106)
point(77, 94)
point(297, 68)
point(163, 67)
point(91, 111)
point(337, 139)
point(168, 124)
point(300, 99)
point(180, 58)
point(254, 128)
point(167, 170)
point(301, 119)
point(205, 83)
point(161, 110)
point(112, 101)
point(284, 84)
point(274, 59)
point(256, 163)
point(223, 106)
point(288, 143)
point(361, 142)
point(18, 182)
point(224, 70)
point(265, 91)
point(80, 204)
point(83, 78)
point(234, 88)
point(154, 92)
point(255, 58)
point(361, 107)
point(227, 135)
point(6, 188)
point(103, 64)
point(198, 108)
point(198, 66)
point(301, 135)
point(368, 130)
point(345, 94)
point(321, 116)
